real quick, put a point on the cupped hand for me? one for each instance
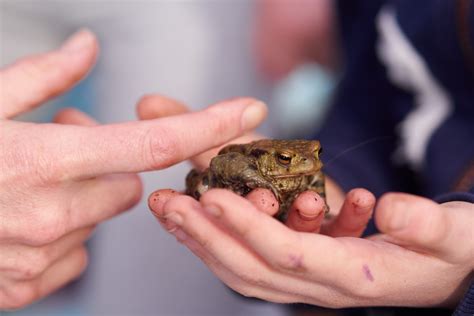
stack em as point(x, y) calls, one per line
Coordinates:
point(349, 213)
point(58, 181)
point(424, 255)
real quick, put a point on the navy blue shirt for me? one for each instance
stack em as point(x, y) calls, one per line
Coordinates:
point(403, 116)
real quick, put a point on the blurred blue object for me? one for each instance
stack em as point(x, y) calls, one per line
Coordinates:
point(302, 99)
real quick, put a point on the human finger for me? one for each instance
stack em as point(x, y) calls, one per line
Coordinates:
point(147, 145)
point(34, 80)
point(218, 245)
point(154, 106)
point(264, 200)
point(246, 287)
point(156, 203)
point(73, 116)
point(76, 205)
point(157, 106)
point(354, 215)
point(98, 199)
point(307, 212)
point(22, 262)
point(422, 224)
point(62, 272)
point(280, 246)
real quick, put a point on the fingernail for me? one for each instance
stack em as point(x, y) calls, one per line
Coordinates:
point(175, 218)
point(213, 210)
point(309, 217)
point(78, 41)
point(253, 115)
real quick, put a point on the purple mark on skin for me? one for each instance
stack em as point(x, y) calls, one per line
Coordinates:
point(367, 273)
point(296, 262)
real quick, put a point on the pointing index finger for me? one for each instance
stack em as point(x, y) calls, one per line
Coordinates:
point(153, 144)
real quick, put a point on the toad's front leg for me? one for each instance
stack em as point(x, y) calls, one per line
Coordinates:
point(238, 173)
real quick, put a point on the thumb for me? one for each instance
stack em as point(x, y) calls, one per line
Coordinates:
point(422, 224)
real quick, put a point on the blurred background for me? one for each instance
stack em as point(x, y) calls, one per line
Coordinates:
point(198, 52)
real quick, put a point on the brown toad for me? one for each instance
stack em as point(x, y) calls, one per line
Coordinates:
point(286, 167)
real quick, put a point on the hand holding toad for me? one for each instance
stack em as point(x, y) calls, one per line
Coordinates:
point(424, 255)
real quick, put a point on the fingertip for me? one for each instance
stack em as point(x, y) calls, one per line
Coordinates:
point(152, 106)
point(81, 49)
point(395, 211)
point(361, 201)
point(73, 116)
point(252, 111)
point(301, 223)
point(264, 200)
point(158, 199)
point(309, 204)
point(307, 212)
point(83, 38)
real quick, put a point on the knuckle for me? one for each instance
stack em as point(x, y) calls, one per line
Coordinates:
point(32, 264)
point(46, 227)
point(160, 149)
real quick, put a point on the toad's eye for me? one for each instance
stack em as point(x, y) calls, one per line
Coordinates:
point(284, 159)
point(318, 153)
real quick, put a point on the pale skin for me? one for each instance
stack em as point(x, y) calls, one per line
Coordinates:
point(423, 256)
point(59, 180)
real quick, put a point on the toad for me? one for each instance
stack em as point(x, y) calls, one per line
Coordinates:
point(286, 167)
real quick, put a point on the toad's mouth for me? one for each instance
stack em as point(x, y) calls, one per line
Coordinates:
point(282, 176)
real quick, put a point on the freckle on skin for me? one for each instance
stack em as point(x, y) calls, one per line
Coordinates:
point(367, 273)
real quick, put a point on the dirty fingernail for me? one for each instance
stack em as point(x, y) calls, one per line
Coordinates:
point(253, 115)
